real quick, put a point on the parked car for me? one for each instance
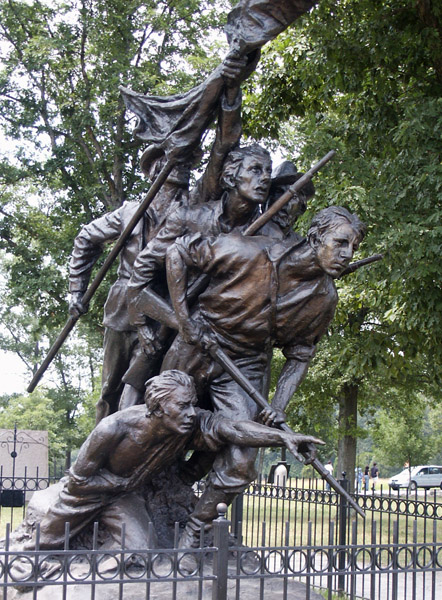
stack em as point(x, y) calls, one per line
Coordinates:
point(424, 476)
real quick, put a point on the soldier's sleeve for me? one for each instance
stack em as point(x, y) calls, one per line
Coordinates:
point(228, 134)
point(88, 246)
point(300, 352)
point(150, 262)
point(152, 258)
point(206, 431)
point(303, 348)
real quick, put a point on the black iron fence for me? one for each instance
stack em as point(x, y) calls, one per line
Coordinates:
point(288, 542)
point(16, 491)
point(396, 571)
point(306, 500)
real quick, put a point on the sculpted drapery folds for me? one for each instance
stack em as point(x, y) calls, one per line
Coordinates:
point(125, 451)
point(274, 289)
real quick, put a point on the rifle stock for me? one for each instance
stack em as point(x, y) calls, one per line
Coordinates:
point(157, 308)
point(70, 323)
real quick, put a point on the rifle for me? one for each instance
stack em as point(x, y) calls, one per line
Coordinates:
point(156, 186)
point(70, 323)
point(354, 266)
point(161, 311)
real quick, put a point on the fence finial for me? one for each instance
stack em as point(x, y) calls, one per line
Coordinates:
point(222, 510)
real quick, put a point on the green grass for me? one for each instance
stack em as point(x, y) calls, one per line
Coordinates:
point(324, 593)
point(276, 512)
point(10, 515)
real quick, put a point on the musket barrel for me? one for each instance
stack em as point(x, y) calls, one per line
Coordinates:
point(153, 191)
point(70, 323)
point(229, 366)
point(354, 266)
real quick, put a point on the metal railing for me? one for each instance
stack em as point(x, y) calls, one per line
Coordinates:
point(300, 505)
point(372, 571)
point(301, 534)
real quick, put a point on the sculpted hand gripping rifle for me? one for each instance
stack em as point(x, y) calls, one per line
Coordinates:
point(157, 308)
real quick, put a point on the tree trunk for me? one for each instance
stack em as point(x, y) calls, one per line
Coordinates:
point(348, 420)
point(67, 462)
point(261, 465)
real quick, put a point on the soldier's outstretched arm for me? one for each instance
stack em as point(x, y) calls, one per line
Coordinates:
point(249, 433)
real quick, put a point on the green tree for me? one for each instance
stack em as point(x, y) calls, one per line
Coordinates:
point(73, 152)
point(63, 65)
point(402, 437)
point(365, 78)
point(69, 153)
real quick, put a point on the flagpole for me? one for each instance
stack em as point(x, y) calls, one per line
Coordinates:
point(101, 273)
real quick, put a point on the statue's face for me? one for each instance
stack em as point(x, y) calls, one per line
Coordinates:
point(253, 179)
point(288, 214)
point(179, 411)
point(336, 248)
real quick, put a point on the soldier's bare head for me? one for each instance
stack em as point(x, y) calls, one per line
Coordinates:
point(332, 217)
point(334, 235)
point(160, 389)
point(235, 159)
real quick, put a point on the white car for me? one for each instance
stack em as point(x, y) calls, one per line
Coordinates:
point(425, 476)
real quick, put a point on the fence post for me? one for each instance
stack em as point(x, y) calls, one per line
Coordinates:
point(308, 583)
point(237, 515)
point(373, 560)
point(434, 553)
point(395, 562)
point(221, 557)
point(343, 512)
point(331, 538)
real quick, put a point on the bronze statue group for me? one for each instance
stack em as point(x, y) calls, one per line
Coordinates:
point(163, 394)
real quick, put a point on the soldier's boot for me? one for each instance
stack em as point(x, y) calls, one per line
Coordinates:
point(204, 513)
point(190, 538)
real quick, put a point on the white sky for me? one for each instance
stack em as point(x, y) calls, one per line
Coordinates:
point(13, 376)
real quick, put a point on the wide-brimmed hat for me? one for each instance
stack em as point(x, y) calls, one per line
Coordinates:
point(286, 173)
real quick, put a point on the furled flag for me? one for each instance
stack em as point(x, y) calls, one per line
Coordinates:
point(174, 124)
point(252, 23)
